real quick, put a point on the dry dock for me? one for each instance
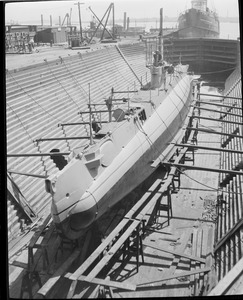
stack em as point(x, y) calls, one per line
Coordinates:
point(181, 235)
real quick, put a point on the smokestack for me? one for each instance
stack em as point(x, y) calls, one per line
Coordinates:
point(50, 20)
point(128, 21)
point(41, 20)
point(124, 21)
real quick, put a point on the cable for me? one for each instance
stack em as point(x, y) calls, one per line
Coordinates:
point(80, 55)
point(33, 99)
point(61, 84)
point(21, 123)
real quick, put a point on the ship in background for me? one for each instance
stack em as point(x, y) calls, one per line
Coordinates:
point(198, 22)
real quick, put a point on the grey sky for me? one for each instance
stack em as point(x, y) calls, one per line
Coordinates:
point(26, 12)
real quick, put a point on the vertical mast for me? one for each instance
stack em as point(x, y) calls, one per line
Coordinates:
point(90, 119)
point(161, 48)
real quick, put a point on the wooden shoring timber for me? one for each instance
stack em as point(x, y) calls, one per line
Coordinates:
point(209, 279)
point(176, 253)
point(38, 233)
point(82, 258)
point(203, 254)
point(199, 168)
point(208, 148)
point(177, 159)
point(27, 174)
point(115, 232)
point(134, 221)
point(95, 111)
point(217, 120)
point(62, 138)
point(80, 123)
point(217, 104)
point(170, 273)
point(59, 272)
point(225, 283)
point(228, 235)
point(182, 274)
point(217, 111)
point(37, 154)
point(215, 132)
point(193, 263)
point(220, 96)
point(106, 282)
point(96, 270)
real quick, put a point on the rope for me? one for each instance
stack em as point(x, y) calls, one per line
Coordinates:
point(33, 98)
point(60, 83)
point(21, 124)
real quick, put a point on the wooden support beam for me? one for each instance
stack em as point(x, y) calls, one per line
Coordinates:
point(37, 154)
point(177, 253)
point(93, 111)
point(123, 224)
point(80, 123)
point(198, 168)
point(228, 235)
point(81, 260)
point(27, 174)
point(215, 132)
point(182, 274)
point(218, 104)
point(217, 111)
point(217, 120)
point(112, 251)
point(208, 148)
point(224, 284)
point(124, 92)
point(37, 234)
point(159, 160)
point(105, 282)
point(59, 272)
point(62, 138)
point(220, 96)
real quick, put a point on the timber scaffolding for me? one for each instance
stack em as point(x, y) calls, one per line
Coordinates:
point(169, 242)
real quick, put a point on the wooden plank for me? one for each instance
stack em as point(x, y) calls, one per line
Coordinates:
point(172, 269)
point(177, 159)
point(215, 132)
point(224, 97)
point(209, 260)
point(198, 253)
point(105, 282)
point(114, 233)
point(226, 282)
point(20, 264)
point(203, 254)
point(193, 265)
point(209, 148)
point(183, 274)
point(50, 283)
point(38, 232)
point(82, 258)
point(228, 235)
point(199, 168)
point(177, 253)
point(217, 120)
point(217, 104)
point(112, 251)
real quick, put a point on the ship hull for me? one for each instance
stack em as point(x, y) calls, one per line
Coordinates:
point(195, 24)
point(133, 165)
